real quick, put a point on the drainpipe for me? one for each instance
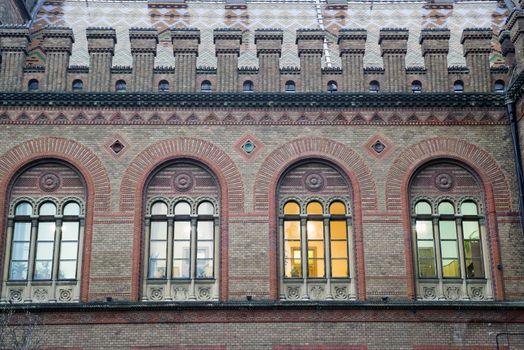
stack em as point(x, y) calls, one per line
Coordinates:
point(510, 110)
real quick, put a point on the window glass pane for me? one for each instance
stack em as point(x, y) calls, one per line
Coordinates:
point(159, 208)
point(338, 229)
point(337, 208)
point(470, 229)
point(448, 229)
point(446, 208)
point(315, 249)
point(70, 230)
point(339, 249)
point(157, 250)
point(204, 250)
point(206, 208)
point(423, 208)
point(182, 208)
point(47, 208)
point(315, 229)
point(67, 270)
point(181, 250)
point(158, 230)
point(44, 251)
point(474, 268)
point(43, 270)
point(18, 270)
point(292, 250)
point(22, 231)
point(469, 208)
point(426, 259)
point(205, 230)
point(157, 268)
point(46, 231)
point(424, 229)
point(68, 250)
point(449, 249)
point(339, 268)
point(182, 230)
point(291, 229)
point(24, 208)
point(291, 208)
point(450, 268)
point(204, 269)
point(180, 268)
point(314, 208)
point(72, 208)
point(316, 268)
point(20, 251)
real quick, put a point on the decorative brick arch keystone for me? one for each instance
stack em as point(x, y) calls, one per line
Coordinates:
point(493, 181)
point(79, 157)
point(347, 160)
point(137, 173)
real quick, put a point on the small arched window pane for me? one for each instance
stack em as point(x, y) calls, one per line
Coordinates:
point(159, 208)
point(24, 208)
point(47, 208)
point(314, 208)
point(121, 86)
point(163, 86)
point(290, 86)
point(458, 87)
point(206, 86)
point(248, 86)
point(78, 85)
point(374, 87)
point(32, 85)
point(416, 87)
point(291, 208)
point(499, 86)
point(72, 208)
point(469, 208)
point(337, 208)
point(206, 208)
point(182, 208)
point(446, 208)
point(422, 208)
point(332, 86)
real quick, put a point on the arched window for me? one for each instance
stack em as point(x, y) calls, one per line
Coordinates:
point(163, 86)
point(78, 85)
point(499, 86)
point(315, 238)
point(374, 87)
point(458, 87)
point(290, 86)
point(181, 229)
point(449, 233)
point(33, 85)
point(248, 86)
point(120, 86)
point(332, 86)
point(416, 87)
point(45, 235)
point(206, 86)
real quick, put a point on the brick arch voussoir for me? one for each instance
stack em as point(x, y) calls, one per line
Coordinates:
point(154, 155)
point(472, 155)
point(67, 150)
point(317, 147)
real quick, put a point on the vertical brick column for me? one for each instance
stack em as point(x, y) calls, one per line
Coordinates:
point(310, 49)
point(352, 44)
point(508, 50)
point(393, 46)
point(435, 48)
point(57, 45)
point(13, 48)
point(101, 47)
point(185, 49)
point(269, 48)
point(477, 47)
point(143, 49)
point(227, 48)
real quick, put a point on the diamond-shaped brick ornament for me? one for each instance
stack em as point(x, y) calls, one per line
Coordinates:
point(116, 145)
point(379, 146)
point(248, 146)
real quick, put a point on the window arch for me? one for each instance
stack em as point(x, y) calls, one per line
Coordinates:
point(181, 234)
point(78, 85)
point(449, 233)
point(206, 86)
point(248, 86)
point(33, 85)
point(374, 87)
point(45, 234)
point(291, 86)
point(163, 86)
point(499, 86)
point(332, 86)
point(316, 254)
point(121, 86)
point(458, 87)
point(416, 87)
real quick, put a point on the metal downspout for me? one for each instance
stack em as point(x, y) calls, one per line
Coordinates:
point(510, 110)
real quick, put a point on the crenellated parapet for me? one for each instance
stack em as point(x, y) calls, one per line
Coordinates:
point(394, 46)
point(185, 49)
point(13, 49)
point(101, 47)
point(435, 48)
point(352, 45)
point(227, 48)
point(477, 48)
point(143, 49)
point(269, 49)
point(58, 42)
point(310, 44)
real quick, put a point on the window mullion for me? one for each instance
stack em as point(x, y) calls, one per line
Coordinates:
point(169, 262)
point(438, 252)
point(56, 245)
point(462, 259)
point(327, 256)
point(147, 254)
point(304, 254)
point(32, 250)
point(192, 268)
